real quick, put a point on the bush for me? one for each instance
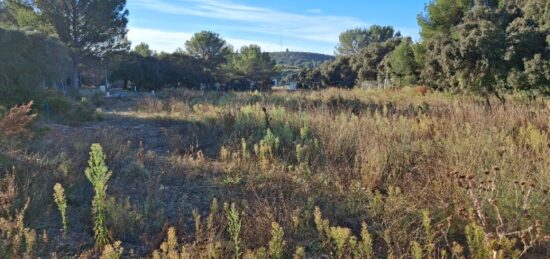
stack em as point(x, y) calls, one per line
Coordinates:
point(56, 103)
point(16, 121)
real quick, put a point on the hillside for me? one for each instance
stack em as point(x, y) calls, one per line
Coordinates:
point(299, 59)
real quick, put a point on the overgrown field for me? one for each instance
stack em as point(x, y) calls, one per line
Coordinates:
point(339, 173)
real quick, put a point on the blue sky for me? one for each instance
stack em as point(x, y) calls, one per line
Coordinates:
point(301, 25)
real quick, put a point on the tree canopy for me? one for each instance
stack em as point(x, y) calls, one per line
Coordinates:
point(34, 60)
point(208, 47)
point(352, 41)
point(90, 29)
point(252, 64)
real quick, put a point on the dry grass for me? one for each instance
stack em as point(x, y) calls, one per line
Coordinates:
point(16, 121)
point(397, 161)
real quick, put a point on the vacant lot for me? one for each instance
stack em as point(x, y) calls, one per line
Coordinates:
point(338, 173)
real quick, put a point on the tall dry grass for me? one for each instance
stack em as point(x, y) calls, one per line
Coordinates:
point(404, 169)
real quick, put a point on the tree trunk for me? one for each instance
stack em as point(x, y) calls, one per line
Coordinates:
point(75, 79)
point(488, 106)
point(502, 99)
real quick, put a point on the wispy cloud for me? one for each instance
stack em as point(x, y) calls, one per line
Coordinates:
point(313, 27)
point(169, 41)
point(314, 11)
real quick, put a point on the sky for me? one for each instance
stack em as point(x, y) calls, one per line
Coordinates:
point(274, 25)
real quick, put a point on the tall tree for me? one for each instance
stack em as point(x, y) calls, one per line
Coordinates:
point(352, 41)
point(34, 59)
point(339, 73)
point(482, 46)
point(367, 61)
point(91, 29)
point(441, 17)
point(210, 49)
point(528, 51)
point(254, 65)
point(21, 14)
point(143, 50)
point(402, 66)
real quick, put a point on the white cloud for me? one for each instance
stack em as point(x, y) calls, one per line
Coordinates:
point(315, 11)
point(320, 28)
point(169, 41)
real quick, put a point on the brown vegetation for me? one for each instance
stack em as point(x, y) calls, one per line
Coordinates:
point(338, 173)
point(16, 121)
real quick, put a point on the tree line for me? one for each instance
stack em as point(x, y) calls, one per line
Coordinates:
point(487, 47)
point(66, 43)
point(484, 46)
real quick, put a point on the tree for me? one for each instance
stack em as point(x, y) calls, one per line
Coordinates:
point(144, 72)
point(251, 64)
point(180, 70)
point(366, 63)
point(481, 41)
point(441, 62)
point(210, 49)
point(339, 73)
point(34, 60)
point(21, 14)
point(528, 52)
point(441, 17)
point(154, 72)
point(352, 41)
point(403, 68)
point(90, 29)
point(143, 50)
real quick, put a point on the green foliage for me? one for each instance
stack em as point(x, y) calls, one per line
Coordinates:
point(124, 220)
point(143, 50)
point(481, 45)
point(367, 65)
point(20, 14)
point(99, 31)
point(441, 17)
point(477, 244)
point(277, 243)
point(353, 41)
point(267, 149)
point(150, 72)
point(300, 253)
point(339, 73)
point(341, 238)
point(296, 59)
point(427, 225)
point(250, 63)
point(486, 47)
point(209, 48)
point(364, 247)
point(35, 59)
point(403, 66)
point(234, 224)
point(61, 202)
point(416, 250)
point(98, 174)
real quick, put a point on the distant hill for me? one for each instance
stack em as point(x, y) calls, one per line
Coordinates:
point(299, 59)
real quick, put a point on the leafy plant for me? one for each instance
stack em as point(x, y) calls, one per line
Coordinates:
point(234, 222)
point(61, 202)
point(277, 243)
point(98, 174)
